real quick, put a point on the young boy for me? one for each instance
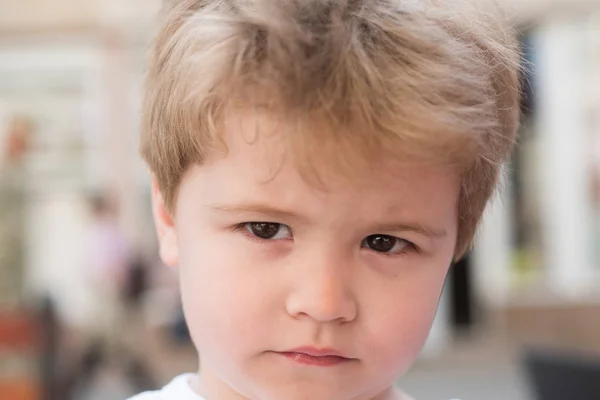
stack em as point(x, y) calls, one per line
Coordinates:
point(318, 165)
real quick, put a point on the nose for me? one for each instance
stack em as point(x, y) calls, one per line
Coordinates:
point(323, 293)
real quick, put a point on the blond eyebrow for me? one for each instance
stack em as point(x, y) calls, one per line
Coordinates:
point(414, 227)
point(257, 208)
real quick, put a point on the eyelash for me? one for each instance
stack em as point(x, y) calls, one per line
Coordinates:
point(241, 228)
point(410, 247)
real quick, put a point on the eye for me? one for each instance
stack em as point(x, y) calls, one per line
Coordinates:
point(268, 230)
point(386, 244)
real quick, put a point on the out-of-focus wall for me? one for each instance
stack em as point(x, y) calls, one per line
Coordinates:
point(530, 10)
point(64, 15)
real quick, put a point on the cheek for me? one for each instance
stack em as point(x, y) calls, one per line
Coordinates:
point(402, 324)
point(218, 288)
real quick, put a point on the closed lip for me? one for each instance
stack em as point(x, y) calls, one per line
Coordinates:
point(316, 352)
point(317, 357)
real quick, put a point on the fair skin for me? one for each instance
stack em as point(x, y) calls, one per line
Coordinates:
point(296, 292)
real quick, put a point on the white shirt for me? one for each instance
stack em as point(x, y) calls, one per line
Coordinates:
point(178, 389)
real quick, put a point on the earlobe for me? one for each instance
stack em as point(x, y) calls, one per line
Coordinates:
point(165, 228)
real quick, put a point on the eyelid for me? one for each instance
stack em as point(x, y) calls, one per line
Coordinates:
point(242, 227)
point(414, 238)
point(410, 247)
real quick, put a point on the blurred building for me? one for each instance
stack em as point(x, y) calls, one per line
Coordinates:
point(537, 265)
point(74, 69)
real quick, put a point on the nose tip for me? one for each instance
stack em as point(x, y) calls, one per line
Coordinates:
point(332, 309)
point(324, 299)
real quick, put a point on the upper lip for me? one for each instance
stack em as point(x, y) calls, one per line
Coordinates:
point(316, 352)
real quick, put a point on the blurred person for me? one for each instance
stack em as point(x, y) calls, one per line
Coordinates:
point(117, 280)
point(106, 258)
point(18, 140)
point(317, 166)
point(13, 195)
point(136, 282)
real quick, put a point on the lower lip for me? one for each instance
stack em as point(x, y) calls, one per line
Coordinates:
point(318, 361)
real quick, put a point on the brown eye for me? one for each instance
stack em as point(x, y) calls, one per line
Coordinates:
point(385, 244)
point(268, 230)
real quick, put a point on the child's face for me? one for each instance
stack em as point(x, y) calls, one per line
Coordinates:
point(294, 292)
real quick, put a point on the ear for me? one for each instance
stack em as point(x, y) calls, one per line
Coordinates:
point(165, 228)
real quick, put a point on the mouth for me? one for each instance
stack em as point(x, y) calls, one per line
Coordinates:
point(316, 357)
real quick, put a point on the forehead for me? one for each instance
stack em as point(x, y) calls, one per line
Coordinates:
point(319, 153)
point(261, 161)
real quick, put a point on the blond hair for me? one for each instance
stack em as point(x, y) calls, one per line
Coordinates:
point(434, 80)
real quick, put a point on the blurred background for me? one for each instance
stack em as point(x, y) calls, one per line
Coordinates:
point(520, 316)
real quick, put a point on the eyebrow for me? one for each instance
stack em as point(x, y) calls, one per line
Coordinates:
point(277, 213)
point(416, 228)
point(255, 208)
